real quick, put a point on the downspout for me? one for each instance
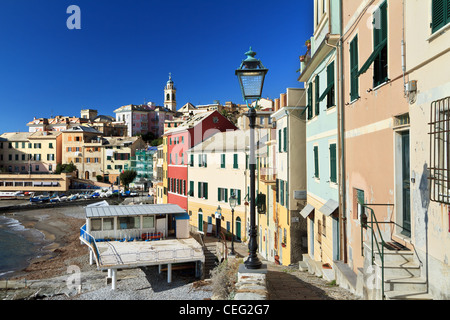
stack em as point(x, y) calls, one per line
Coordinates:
point(343, 229)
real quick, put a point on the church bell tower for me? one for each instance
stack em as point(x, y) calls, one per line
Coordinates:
point(170, 101)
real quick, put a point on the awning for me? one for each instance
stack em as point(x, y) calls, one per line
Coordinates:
point(307, 210)
point(329, 207)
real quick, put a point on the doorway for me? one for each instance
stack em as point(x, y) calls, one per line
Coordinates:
point(406, 207)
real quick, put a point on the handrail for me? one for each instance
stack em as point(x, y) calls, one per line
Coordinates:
point(91, 240)
point(373, 220)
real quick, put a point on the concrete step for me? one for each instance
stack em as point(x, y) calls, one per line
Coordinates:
point(407, 295)
point(406, 269)
point(405, 284)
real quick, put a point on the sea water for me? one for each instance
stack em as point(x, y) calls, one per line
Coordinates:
point(17, 246)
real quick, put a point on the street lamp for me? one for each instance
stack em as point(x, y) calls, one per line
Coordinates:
point(233, 203)
point(251, 75)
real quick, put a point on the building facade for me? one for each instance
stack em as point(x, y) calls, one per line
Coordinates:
point(318, 74)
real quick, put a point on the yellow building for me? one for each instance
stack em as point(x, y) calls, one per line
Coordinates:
point(25, 152)
point(216, 171)
point(82, 146)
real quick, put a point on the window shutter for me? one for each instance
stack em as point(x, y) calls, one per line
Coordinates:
point(279, 140)
point(285, 139)
point(226, 195)
point(333, 163)
point(222, 164)
point(317, 111)
point(316, 162)
point(219, 194)
point(205, 191)
point(239, 197)
point(439, 14)
point(287, 195)
point(277, 189)
point(199, 192)
point(354, 89)
point(199, 160)
point(191, 187)
point(235, 161)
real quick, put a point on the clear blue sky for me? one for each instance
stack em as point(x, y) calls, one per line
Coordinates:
point(125, 50)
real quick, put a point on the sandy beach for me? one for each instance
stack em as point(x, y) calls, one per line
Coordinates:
point(61, 247)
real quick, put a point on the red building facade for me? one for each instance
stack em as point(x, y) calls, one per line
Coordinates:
point(179, 140)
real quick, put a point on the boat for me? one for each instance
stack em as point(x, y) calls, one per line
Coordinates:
point(40, 198)
point(11, 195)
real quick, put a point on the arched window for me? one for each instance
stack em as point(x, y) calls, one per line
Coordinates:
point(168, 96)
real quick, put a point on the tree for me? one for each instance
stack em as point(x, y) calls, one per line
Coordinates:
point(65, 168)
point(127, 177)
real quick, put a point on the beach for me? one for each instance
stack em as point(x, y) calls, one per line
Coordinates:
point(59, 244)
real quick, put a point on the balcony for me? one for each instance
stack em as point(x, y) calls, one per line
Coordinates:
point(268, 176)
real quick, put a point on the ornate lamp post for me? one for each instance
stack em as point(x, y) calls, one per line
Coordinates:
point(233, 203)
point(251, 76)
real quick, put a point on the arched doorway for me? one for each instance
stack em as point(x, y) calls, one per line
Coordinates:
point(200, 220)
point(238, 228)
point(86, 175)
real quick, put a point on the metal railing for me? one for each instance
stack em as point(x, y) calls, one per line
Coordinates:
point(88, 238)
point(374, 226)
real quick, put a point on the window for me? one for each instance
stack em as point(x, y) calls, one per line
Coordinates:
point(129, 222)
point(440, 13)
point(333, 170)
point(191, 188)
point(237, 195)
point(203, 190)
point(380, 48)
point(360, 210)
point(279, 140)
point(222, 194)
point(191, 163)
point(354, 89)
point(222, 161)
point(108, 223)
point(148, 222)
point(440, 151)
point(316, 162)
point(285, 139)
point(96, 224)
point(235, 161)
point(282, 192)
point(317, 96)
point(309, 106)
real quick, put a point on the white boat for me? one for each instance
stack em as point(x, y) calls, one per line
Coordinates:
point(11, 195)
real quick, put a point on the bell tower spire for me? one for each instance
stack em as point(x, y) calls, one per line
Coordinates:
point(170, 101)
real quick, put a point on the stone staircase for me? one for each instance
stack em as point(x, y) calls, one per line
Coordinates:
point(211, 261)
point(402, 273)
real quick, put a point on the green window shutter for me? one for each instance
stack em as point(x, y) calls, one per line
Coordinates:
point(218, 194)
point(226, 195)
point(330, 81)
point(316, 162)
point(192, 160)
point(205, 190)
point(333, 175)
point(199, 192)
point(282, 192)
point(239, 197)
point(438, 12)
point(199, 160)
point(285, 139)
point(246, 161)
point(317, 102)
point(191, 188)
point(222, 163)
point(205, 160)
point(235, 161)
point(354, 85)
point(279, 140)
point(380, 45)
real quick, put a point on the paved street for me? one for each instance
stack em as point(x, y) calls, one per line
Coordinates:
point(289, 283)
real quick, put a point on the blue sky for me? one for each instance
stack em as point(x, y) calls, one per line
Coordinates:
point(125, 50)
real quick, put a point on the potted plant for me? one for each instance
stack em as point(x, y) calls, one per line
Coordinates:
point(302, 58)
point(308, 44)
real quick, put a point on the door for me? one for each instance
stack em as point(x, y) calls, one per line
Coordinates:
point(406, 185)
point(200, 221)
point(238, 229)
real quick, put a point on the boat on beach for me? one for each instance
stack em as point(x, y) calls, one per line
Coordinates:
point(12, 195)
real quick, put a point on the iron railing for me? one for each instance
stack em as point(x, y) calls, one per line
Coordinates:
point(88, 238)
point(378, 240)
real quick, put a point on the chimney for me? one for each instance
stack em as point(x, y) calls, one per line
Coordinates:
point(283, 100)
point(277, 104)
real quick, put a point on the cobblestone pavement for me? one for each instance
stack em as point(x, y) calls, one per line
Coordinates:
point(289, 283)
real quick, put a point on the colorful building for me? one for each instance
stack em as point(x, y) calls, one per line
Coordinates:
point(427, 91)
point(217, 168)
point(179, 140)
point(289, 177)
point(318, 72)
